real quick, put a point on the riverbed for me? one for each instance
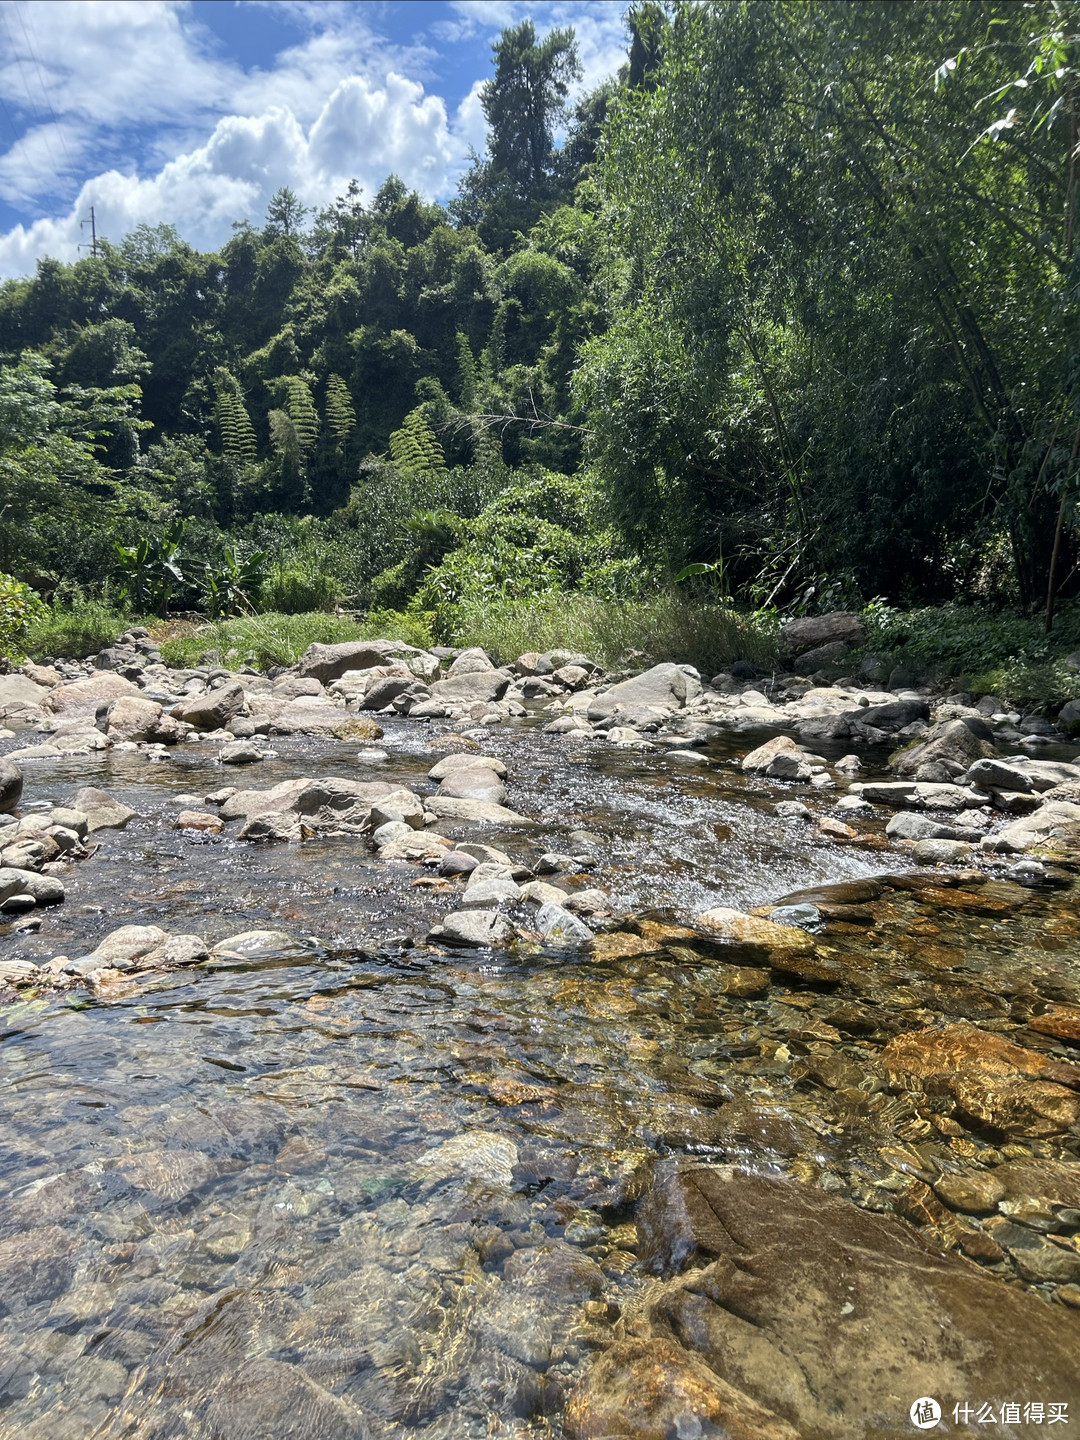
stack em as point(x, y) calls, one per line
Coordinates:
point(369, 1187)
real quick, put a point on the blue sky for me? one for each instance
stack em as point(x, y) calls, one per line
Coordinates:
point(195, 111)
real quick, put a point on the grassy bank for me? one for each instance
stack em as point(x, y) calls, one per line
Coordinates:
point(667, 627)
point(967, 647)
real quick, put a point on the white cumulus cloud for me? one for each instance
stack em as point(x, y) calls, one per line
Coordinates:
point(182, 134)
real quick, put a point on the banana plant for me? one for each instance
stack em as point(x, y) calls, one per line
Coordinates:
point(232, 587)
point(149, 570)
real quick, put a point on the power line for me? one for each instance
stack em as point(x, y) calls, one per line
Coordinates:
point(44, 88)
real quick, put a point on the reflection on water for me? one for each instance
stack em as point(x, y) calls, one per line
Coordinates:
point(377, 1191)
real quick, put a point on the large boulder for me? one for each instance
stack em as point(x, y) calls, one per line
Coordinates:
point(764, 755)
point(43, 889)
point(659, 692)
point(894, 714)
point(472, 686)
point(102, 810)
point(1056, 820)
point(831, 1319)
point(949, 749)
point(473, 783)
point(18, 693)
point(810, 632)
point(85, 697)
point(133, 718)
point(11, 784)
point(471, 662)
point(329, 662)
point(211, 711)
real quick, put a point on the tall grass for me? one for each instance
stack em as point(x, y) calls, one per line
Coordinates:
point(77, 628)
point(666, 627)
point(275, 639)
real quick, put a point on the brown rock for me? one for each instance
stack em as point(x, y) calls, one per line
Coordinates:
point(771, 941)
point(1060, 1021)
point(655, 1390)
point(834, 1318)
point(975, 1193)
point(989, 1080)
point(199, 820)
point(266, 1398)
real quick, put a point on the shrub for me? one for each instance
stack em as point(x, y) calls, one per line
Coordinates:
point(20, 608)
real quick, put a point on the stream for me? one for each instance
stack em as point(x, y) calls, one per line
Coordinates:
point(371, 1188)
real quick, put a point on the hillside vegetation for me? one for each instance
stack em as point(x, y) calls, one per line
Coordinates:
point(787, 320)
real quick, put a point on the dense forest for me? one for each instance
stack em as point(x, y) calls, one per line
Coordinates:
point(790, 305)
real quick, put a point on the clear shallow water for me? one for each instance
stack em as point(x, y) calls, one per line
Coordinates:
point(376, 1190)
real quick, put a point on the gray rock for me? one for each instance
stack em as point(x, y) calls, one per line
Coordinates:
point(490, 893)
point(474, 686)
point(761, 758)
point(473, 783)
point(1056, 818)
point(19, 694)
point(240, 752)
point(484, 812)
point(894, 714)
point(538, 892)
point(998, 775)
point(388, 689)
point(120, 949)
point(330, 662)
point(788, 765)
point(451, 763)
point(11, 784)
point(1069, 714)
point(940, 852)
point(559, 927)
point(455, 862)
point(792, 810)
point(909, 826)
point(803, 916)
point(102, 810)
point(821, 656)
point(211, 711)
point(173, 952)
point(480, 928)
point(661, 690)
point(471, 662)
point(810, 631)
point(389, 831)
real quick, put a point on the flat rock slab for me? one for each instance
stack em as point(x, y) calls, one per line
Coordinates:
point(662, 689)
point(330, 662)
point(831, 1318)
point(82, 697)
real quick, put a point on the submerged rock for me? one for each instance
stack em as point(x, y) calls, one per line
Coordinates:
point(988, 1080)
point(833, 1318)
point(761, 935)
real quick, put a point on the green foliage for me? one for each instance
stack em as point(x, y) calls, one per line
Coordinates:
point(414, 448)
point(20, 608)
point(149, 571)
point(233, 585)
point(296, 587)
point(76, 626)
point(260, 640)
point(233, 421)
point(340, 415)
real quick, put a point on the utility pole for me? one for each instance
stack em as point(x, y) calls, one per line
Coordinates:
point(92, 222)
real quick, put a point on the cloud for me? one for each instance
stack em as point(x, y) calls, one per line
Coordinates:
point(363, 131)
point(183, 134)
